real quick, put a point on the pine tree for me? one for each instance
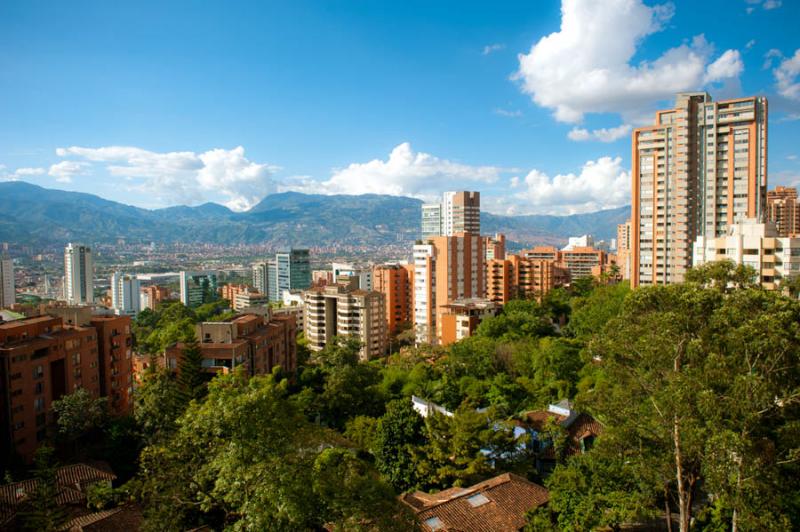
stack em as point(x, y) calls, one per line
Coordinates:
point(191, 377)
point(43, 512)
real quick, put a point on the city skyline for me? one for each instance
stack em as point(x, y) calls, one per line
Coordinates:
point(134, 117)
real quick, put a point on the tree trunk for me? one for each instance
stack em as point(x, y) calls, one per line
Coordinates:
point(667, 509)
point(684, 498)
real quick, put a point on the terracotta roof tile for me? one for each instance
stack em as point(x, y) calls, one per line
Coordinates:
point(498, 504)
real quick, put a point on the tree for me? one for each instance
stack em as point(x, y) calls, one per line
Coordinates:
point(191, 375)
point(590, 492)
point(399, 431)
point(700, 380)
point(222, 469)
point(42, 511)
point(78, 414)
point(157, 404)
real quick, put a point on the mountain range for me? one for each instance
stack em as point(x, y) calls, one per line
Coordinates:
point(37, 215)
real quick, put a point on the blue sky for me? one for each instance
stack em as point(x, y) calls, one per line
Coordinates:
point(163, 103)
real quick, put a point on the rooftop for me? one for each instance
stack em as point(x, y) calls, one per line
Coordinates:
point(497, 504)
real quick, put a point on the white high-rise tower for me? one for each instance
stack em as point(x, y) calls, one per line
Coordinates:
point(78, 274)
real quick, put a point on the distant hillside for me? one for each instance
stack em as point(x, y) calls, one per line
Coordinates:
point(32, 214)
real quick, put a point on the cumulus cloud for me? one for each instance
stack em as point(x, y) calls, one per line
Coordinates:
point(491, 48)
point(786, 77)
point(404, 173)
point(600, 184)
point(603, 134)
point(66, 170)
point(586, 66)
point(728, 66)
point(6, 175)
point(219, 175)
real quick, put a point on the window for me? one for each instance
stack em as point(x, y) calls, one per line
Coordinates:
point(434, 523)
point(478, 499)
point(38, 404)
point(38, 372)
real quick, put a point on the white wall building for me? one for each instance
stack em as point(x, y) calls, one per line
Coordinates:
point(78, 274)
point(7, 292)
point(125, 294)
point(753, 244)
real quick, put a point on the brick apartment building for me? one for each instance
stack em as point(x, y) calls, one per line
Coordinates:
point(42, 359)
point(257, 342)
point(115, 347)
point(396, 283)
point(520, 277)
point(783, 209)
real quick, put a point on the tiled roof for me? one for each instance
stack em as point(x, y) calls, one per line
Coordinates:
point(72, 482)
point(578, 426)
point(495, 505)
point(122, 518)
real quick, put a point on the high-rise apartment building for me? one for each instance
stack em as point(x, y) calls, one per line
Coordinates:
point(291, 270)
point(624, 249)
point(362, 274)
point(152, 295)
point(396, 283)
point(7, 291)
point(494, 247)
point(42, 359)
point(446, 268)
point(198, 288)
point(518, 277)
point(459, 212)
point(78, 274)
point(783, 209)
point(431, 219)
point(756, 244)
point(261, 277)
point(115, 349)
point(700, 167)
point(125, 294)
point(344, 310)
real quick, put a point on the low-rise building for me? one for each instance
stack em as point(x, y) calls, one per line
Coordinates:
point(249, 299)
point(752, 243)
point(499, 504)
point(581, 431)
point(461, 317)
point(259, 342)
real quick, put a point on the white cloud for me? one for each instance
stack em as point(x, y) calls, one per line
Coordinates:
point(19, 173)
point(66, 170)
point(603, 134)
point(786, 75)
point(586, 66)
point(514, 113)
point(219, 175)
point(404, 173)
point(601, 184)
point(750, 44)
point(792, 157)
point(491, 48)
point(728, 66)
point(770, 56)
